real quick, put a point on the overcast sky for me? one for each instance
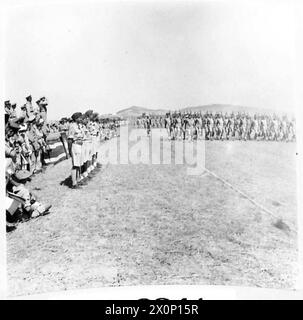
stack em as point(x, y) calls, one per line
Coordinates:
point(159, 55)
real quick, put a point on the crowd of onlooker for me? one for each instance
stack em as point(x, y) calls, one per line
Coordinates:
point(31, 143)
point(219, 126)
point(25, 142)
point(25, 134)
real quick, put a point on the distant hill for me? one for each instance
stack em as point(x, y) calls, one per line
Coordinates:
point(137, 111)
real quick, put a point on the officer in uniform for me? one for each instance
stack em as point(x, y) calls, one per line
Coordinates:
point(43, 103)
point(94, 132)
point(76, 136)
point(86, 149)
point(63, 129)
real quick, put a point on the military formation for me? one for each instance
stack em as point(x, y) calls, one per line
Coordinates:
point(28, 137)
point(84, 133)
point(219, 126)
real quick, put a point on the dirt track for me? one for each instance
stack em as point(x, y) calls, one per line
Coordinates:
point(154, 224)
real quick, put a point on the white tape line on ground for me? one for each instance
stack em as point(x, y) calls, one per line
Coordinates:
point(248, 198)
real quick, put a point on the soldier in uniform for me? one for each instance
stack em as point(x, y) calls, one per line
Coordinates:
point(13, 113)
point(148, 125)
point(28, 105)
point(243, 127)
point(263, 128)
point(33, 136)
point(255, 128)
point(284, 128)
point(23, 112)
point(63, 129)
point(190, 129)
point(210, 126)
point(178, 127)
point(94, 129)
point(76, 136)
point(7, 107)
point(43, 103)
point(184, 126)
point(85, 150)
point(168, 125)
point(220, 127)
point(275, 127)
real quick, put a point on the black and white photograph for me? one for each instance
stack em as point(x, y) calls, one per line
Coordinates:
point(148, 144)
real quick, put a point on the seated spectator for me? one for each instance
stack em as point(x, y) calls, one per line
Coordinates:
point(28, 206)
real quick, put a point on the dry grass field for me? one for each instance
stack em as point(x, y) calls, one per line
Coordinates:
point(154, 224)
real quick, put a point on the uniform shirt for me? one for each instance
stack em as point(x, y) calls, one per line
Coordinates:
point(40, 135)
point(93, 128)
point(276, 124)
point(185, 123)
point(75, 132)
point(85, 132)
point(29, 107)
point(63, 127)
point(284, 125)
point(43, 113)
point(8, 148)
point(32, 134)
point(264, 124)
point(23, 113)
point(36, 109)
point(13, 113)
point(244, 122)
point(148, 123)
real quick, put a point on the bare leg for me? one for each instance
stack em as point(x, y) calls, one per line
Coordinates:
point(74, 175)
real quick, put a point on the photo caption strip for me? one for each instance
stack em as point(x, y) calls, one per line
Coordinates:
point(152, 309)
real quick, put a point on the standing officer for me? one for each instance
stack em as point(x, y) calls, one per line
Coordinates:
point(76, 136)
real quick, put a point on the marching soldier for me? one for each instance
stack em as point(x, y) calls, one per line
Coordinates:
point(148, 125)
